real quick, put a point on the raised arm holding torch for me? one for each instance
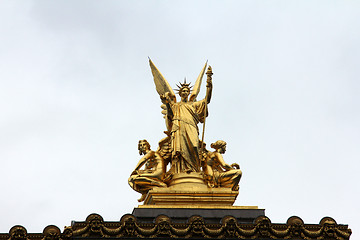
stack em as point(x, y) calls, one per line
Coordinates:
point(209, 74)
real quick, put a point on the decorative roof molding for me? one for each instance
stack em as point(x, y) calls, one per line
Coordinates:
point(195, 228)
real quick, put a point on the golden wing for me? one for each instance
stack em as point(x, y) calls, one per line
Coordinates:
point(196, 89)
point(162, 86)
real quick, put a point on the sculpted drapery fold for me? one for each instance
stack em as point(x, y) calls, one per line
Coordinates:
point(185, 135)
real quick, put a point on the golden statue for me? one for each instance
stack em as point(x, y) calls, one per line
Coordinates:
point(195, 174)
point(152, 176)
point(182, 119)
point(221, 174)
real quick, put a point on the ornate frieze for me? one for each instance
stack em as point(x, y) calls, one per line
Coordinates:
point(196, 228)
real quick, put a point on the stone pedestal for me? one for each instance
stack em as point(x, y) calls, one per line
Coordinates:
point(175, 197)
point(243, 214)
point(190, 189)
point(188, 195)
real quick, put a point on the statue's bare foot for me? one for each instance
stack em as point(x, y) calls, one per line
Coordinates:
point(142, 197)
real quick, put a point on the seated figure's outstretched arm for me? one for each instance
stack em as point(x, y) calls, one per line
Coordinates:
point(141, 162)
point(221, 161)
point(158, 169)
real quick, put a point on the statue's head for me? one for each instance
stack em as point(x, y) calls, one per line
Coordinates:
point(219, 145)
point(143, 146)
point(184, 89)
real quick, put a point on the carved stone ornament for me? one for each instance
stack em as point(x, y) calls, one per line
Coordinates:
point(51, 232)
point(18, 233)
point(194, 228)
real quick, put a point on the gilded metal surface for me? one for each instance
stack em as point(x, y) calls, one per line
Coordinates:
point(183, 194)
point(153, 174)
point(182, 119)
point(181, 148)
point(195, 228)
point(198, 207)
point(220, 173)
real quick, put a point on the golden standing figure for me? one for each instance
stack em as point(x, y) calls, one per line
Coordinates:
point(182, 119)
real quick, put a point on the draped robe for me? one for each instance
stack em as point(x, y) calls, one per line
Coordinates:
point(185, 135)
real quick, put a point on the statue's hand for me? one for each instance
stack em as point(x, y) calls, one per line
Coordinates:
point(164, 98)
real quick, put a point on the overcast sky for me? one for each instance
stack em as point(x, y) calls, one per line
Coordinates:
point(77, 94)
